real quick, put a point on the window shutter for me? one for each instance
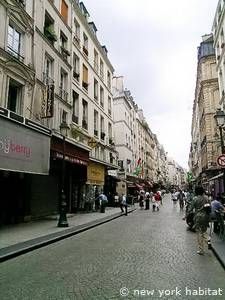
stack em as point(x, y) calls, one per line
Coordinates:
point(64, 11)
point(85, 74)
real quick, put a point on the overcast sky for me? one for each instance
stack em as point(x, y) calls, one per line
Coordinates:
point(153, 44)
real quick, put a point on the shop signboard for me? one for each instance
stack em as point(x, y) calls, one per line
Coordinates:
point(95, 174)
point(23, 149)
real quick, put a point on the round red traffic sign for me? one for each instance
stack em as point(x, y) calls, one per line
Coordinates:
point(221, 160)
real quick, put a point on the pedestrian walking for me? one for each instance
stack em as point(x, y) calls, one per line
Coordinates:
point(201, 218)
point(123, 204)
point(217, 216)
point(181, 197)
point(103, 202)
point(147, 200)
point(141, 199)
point(158, 199)
point(116, 199)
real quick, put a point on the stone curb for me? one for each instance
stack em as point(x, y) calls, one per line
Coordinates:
point(216, 253)
point(27, 246)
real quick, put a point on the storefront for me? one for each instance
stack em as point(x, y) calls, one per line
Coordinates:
point(95, 183)
point(24, 152)
point(76, 162)
point(111, 183)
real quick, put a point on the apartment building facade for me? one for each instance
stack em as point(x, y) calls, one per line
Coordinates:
point(205, 146)
point(25, 143)
point(134, 141)
point(54, 71)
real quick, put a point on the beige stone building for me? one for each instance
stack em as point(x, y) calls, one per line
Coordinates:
point(54, 71)
point(205, 142)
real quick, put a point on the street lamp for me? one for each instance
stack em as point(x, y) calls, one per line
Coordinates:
point(220, 120)
point(63, 205)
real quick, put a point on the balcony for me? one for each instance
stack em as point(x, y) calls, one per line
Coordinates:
point(63, 94)
point(21, 2)
point(76, 75)
point(95, 132)
point(76, 40)
point(46, 79)
point(84, 124)
point(102, 135)
point(50, 33)
point(85, 85)
point(85, 50)
point(15, 54)
point(65, 53)
point(111, 141)
point(96, 66)
point(75, 119)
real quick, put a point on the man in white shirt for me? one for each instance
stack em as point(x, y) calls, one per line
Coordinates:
point(123, 204)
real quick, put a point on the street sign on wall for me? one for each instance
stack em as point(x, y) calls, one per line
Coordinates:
point(221, 160)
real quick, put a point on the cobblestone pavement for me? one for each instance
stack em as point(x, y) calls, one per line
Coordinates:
point(144, 252)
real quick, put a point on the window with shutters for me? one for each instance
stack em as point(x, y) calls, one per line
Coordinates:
point(64, 11)
point(85, 78)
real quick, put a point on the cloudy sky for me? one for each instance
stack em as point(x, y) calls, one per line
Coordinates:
point(153, 44)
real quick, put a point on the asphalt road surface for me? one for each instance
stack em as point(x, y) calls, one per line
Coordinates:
point(144, 255)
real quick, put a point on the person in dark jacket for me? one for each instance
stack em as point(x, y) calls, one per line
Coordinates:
point(201, 217)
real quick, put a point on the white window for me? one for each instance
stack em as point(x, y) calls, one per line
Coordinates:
point(75, 115)
point(95, 123)
point(101, 69)
point(63, 85)
point(109, 106)
point(76, 67)
point(101, 96)
point(48, 70)
point(85, 114)
point(96, 89)
point(14, 42)
point(77, 31)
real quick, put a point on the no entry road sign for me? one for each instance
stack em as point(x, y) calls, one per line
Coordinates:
point(221, 160)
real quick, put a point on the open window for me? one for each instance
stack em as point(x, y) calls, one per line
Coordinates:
point(49, 31)
point(14, 99)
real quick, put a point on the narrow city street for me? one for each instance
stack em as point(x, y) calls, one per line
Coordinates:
point(145, 255)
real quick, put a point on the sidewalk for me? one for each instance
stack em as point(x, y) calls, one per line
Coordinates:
point(218, 247)
point(21, 238)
